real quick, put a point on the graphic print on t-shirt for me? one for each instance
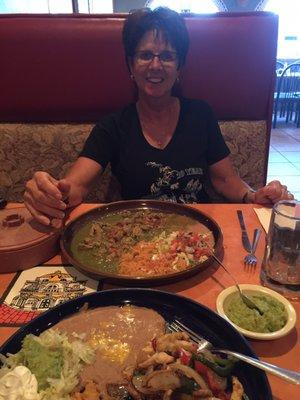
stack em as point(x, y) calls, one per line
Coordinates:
point(171, 182)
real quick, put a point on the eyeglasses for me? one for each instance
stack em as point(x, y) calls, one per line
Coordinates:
point(146, 57)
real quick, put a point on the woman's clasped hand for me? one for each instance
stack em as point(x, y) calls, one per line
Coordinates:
point(272, 193)
point(162, 147)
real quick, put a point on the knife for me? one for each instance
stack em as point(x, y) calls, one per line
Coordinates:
point(245, 238)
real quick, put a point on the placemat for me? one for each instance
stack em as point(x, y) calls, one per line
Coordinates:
point(38, 289)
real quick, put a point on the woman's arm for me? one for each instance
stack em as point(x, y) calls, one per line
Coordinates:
point(47, 198)
point(81, 177)
point(226, 182)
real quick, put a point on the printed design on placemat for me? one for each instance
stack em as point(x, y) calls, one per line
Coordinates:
point(40, 288)
point(47, 291)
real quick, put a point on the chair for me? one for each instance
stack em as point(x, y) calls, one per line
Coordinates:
point(287, 96)
point(279, 70)
point(279, 67)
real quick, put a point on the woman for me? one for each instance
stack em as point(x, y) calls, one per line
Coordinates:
point(162, 147)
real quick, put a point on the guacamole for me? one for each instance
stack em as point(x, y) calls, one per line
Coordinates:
point(43, 362)
point(274, 315)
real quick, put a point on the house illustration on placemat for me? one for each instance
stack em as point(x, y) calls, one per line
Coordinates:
point(47, 291)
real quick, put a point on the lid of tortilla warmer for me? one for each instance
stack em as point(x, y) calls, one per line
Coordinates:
point(24, 242)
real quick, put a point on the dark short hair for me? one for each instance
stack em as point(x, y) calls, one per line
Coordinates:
point(161, 20)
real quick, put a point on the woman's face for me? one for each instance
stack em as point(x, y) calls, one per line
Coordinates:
point(154, 76)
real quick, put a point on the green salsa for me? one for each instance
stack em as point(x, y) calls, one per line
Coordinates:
point(274, 315)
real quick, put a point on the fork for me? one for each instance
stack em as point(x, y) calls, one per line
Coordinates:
point(250, 259)
point(287, 375)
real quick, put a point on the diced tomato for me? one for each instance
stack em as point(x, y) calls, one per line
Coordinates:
point(194, 239)
point(200, 368)
point(185, 357)
point(197, 253)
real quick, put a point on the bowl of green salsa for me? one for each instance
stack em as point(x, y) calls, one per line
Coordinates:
point(277, 317)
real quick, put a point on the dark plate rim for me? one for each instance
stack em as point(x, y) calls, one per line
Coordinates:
point(139, 297)
point(150, 204)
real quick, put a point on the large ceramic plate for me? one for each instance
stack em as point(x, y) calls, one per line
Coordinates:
point(196, 316)
point(72, 229)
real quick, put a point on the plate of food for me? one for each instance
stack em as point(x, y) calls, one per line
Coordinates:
point(141, 242)
point(115, 344)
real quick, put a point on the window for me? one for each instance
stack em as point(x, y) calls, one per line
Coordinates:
point(101, 6)
point(289, 27)
point(55, 6)
point(194, 6)
point(95, 6)
point(36, 6)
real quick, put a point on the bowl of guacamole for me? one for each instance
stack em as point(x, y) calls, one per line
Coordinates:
point(277, 316)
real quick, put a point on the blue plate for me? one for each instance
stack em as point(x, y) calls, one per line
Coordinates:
point(171, 306)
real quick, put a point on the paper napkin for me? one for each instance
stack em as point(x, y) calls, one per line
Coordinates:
point(264, 216)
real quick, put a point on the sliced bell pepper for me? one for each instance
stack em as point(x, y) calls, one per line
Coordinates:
point(221, 367)
point(185, 357)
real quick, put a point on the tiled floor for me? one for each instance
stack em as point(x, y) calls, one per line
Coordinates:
point(284, 157)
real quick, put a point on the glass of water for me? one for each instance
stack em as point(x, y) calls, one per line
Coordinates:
point(281, 264)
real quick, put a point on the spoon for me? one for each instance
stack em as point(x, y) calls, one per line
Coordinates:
point(249, 303)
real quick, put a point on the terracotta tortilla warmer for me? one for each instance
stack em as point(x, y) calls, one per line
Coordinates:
point(24, 242)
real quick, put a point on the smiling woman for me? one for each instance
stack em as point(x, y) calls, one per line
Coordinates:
point(162, 147)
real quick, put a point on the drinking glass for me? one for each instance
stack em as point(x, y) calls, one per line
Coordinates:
point(281, 264)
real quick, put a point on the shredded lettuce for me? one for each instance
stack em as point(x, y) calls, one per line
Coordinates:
point(74, 355)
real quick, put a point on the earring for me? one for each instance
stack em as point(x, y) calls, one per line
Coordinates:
point(132, 77)
point(177, 79)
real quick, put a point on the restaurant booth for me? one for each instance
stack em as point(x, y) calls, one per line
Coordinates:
point(60, 73)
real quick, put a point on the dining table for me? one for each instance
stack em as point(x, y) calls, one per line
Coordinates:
point(205, 286)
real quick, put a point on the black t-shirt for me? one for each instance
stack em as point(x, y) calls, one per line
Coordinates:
point(176, 173)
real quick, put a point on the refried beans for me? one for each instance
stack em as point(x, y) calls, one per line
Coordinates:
point(118, 335)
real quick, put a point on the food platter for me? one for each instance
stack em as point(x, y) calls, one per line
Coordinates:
point(194, 315)
point(167, 210)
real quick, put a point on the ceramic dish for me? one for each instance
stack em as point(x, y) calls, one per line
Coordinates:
point(197, 317)
point(226, 295)
point(24, 242)
point(81, 223)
